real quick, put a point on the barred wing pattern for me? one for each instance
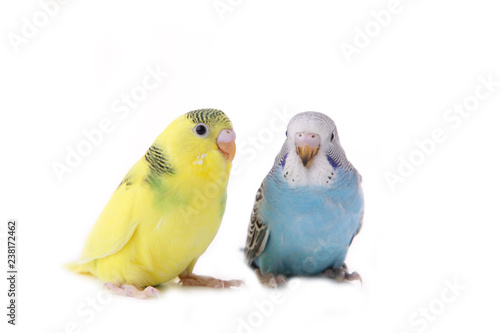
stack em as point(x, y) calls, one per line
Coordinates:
point(258, 232)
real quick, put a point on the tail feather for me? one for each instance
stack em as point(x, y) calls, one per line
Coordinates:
point(79, 267)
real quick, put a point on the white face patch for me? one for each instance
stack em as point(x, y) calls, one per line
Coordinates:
point(199, 159)
point(319, 173)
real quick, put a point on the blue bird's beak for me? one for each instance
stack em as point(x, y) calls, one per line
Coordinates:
point(307, 145)
point(307, 153)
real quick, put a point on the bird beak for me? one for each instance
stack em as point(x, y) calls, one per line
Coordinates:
point(226, 143)
point(306, 153)
point(307, 146)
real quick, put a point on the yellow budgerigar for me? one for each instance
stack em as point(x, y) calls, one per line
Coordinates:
point(166, 211)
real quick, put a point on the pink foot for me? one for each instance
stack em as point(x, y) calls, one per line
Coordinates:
point(342, 274)
point(207, 281)
point(271, 280)
point(132, 291)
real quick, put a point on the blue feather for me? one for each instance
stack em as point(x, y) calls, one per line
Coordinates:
point(332, 162)
point(306, 215)
point(310, 228)
point(284, 160)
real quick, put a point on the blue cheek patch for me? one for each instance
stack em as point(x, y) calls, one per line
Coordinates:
point(332, 162)
point(284, 160)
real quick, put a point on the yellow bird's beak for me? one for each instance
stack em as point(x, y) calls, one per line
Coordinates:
point(307, 145)
point(226, 143)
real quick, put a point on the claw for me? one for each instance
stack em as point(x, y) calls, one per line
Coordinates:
point(342, 274)
point(270, 280)
point(207, 281)
point(132, 291)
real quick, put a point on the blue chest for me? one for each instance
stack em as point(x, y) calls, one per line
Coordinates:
point(310, 228)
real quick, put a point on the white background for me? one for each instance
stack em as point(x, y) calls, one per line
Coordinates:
point(439, 225)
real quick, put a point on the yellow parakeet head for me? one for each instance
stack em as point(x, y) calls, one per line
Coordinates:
point(199, 139)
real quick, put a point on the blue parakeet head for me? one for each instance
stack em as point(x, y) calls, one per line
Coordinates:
point(312, 153)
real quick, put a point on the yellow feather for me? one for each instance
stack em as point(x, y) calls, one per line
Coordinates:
point(166, 211)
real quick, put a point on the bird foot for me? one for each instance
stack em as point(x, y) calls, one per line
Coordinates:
point(207, 281)
point(342, 274)
point(132, 291)
point(271, 280)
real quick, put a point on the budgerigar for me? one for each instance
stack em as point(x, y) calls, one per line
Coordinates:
point(308, 208)
point(166, 211)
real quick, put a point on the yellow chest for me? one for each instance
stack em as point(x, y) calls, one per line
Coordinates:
point(177, 229)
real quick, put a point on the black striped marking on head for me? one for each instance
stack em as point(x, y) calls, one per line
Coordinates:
point(207, 116)
point(158, 162)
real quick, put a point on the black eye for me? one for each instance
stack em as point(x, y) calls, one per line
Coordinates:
point(201, 130)
point(333, 136)
point(286, 133)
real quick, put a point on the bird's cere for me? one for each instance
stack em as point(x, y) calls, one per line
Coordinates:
point(226, 135)
point(311, 139)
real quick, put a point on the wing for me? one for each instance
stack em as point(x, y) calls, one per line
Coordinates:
point(360, 202)
point(116, 225)
point(258, 232)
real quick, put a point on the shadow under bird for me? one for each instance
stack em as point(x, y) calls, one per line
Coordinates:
point(309, 207)
point(166, 211)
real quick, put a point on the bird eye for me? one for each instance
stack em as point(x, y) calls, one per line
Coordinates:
point(333, 136)
point(201, 130)
point(286, 133)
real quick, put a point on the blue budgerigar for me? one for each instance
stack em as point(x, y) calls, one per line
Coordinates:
point(308, 208)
